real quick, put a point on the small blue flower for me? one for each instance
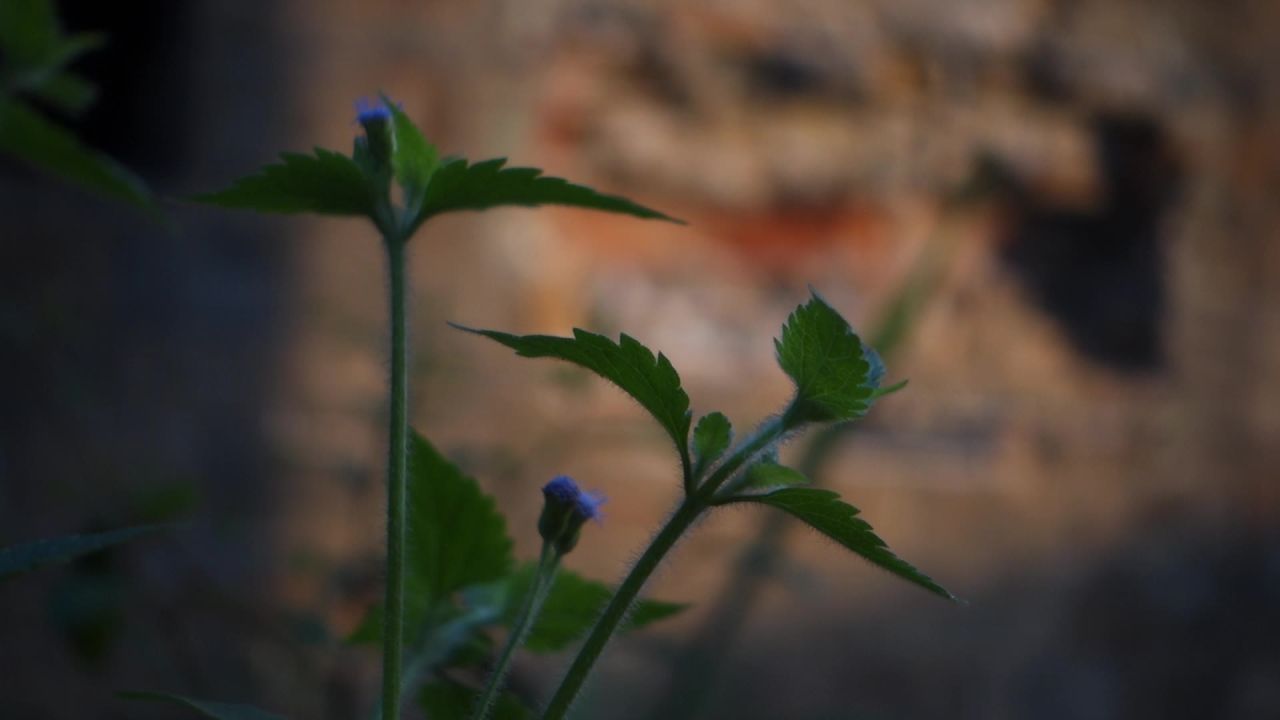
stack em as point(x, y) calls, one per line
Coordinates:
point(565, 509)
point(566, 491)
point(370, 111)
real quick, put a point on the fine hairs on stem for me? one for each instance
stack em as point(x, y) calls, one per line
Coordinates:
point(693, 506)
point(397, 471)
point(543, 579)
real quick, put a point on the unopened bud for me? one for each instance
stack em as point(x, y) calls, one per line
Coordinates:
point(565, 509)
point(378, 136)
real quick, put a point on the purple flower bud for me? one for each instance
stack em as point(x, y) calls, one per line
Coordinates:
point(369, 111)
point(379, 140)
point(564, 511)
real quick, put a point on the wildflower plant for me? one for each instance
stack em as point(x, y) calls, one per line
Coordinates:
point(451, 574)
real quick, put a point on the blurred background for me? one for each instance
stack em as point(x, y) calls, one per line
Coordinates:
point(1058, 219)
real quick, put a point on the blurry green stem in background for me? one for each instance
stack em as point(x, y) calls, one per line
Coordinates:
point(694, 672)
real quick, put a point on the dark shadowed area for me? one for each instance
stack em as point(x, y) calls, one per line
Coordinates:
point(1057, 219)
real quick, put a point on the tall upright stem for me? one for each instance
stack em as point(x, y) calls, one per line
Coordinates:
point(619, 605)
point(397, 468)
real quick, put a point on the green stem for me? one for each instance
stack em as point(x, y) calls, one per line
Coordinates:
point(397, 467)
point(763, 438)
point(619, 605)
point(548, 563)
point(693, 505)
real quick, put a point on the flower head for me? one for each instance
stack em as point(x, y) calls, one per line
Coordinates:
point(379, 141)
point(369, 111)
point(566, 507)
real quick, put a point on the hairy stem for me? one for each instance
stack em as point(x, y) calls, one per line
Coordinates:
point(761, 440)
point(619, 605)
point(693, 505)
point(397, 467)
point(529, 610)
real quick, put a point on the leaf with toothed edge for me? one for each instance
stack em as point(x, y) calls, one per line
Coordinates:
point(460, 185)
point(456, 538)
point(837, 376)
point(824, 511)
point(651, 380)
point(711, 437)
point(325, 182)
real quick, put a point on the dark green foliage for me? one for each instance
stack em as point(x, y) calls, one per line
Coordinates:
point(333, 184)
point(571, 607)
point(445, 699)
point(327, 182)
point(34, 45)
point(769, 474)
point(34, 55)
point(205, 708)
point(824, 511)
point(460, 185)
point(17, 559)
point(39, 141)
point(711, 437)
point(457, 537)
point(415, 159)
point(651, 380)
point(836, 375)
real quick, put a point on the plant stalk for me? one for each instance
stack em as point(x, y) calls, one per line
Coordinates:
point(397, 470)
point(619, 605)
point(548, 563)
point(694, 504)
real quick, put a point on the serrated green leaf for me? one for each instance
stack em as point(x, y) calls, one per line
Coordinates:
point(651, 380)
point(711, 437)
point(835, 373)
point(571, 607)
point(459, 185)
point(415, 159)
point(770, 474)
point(457, 538)
point(824, 511)
point(445, 699)
point(17, 559)
point(29, 136)
point(205, 708)
point(326, 182)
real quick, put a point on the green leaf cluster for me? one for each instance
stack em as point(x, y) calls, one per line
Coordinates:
point(329, 183)
point(837, 378)
point(35, 57)
point(462, 581)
